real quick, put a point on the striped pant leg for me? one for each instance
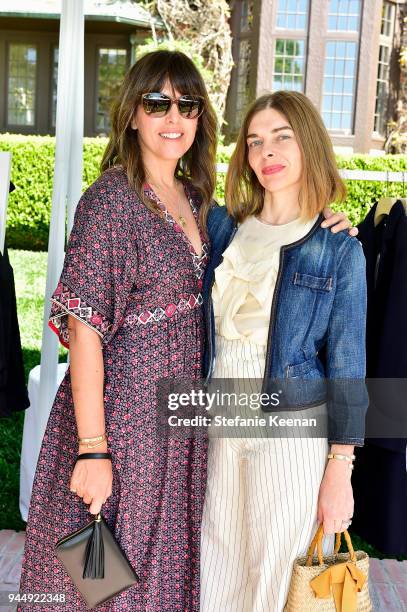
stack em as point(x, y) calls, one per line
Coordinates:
point(224, 555)
point(283, 479)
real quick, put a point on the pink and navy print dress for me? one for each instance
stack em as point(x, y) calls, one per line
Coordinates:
point(134, 278)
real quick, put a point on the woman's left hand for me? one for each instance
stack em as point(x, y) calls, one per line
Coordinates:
point(338, 222)
point(335, 500)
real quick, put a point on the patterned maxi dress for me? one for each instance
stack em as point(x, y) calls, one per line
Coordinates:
point(134, 278)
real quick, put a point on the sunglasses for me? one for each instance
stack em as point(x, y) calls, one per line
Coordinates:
point(158, 104)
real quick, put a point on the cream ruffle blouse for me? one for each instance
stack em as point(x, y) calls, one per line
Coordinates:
point(245, 280)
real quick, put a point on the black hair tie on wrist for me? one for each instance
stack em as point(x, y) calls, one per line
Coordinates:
point(94, 456)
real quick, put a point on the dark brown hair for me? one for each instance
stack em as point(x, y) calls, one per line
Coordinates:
point(150, 73)
point(320, 184)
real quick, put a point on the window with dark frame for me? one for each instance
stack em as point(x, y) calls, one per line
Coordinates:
point(289, 63)
point(246, 16)
point(111, 68)
point(344, 15)
point(22, 83)
point(388, 15)
point(340, 65)
point(292, 15)
point(339, 85)
point(289, 50)
point(383, 69)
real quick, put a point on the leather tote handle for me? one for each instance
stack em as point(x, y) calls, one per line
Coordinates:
point(317, 542)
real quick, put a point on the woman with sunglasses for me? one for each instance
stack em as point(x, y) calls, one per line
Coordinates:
point(128, 305)
point(285, 302)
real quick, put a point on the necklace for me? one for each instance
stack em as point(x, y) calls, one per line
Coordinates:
point(180, 218)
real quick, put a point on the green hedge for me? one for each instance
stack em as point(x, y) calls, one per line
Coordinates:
point(32, 171)
point(29, 209)
point(362, 194)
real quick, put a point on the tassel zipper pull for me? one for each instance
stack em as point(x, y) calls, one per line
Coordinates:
point(94, 567)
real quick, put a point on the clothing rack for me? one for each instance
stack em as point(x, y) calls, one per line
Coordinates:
point(386, 176)
point(5, 165)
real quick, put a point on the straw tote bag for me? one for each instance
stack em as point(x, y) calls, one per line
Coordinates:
point(338, 584)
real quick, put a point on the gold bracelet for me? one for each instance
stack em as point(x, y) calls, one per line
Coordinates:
point(341, 457)
point(92, 445)
point(348, 458)
point(101, 438)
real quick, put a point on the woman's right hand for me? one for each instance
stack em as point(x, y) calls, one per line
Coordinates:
point(92, 480)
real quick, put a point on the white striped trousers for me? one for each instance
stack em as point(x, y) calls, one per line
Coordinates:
point(260, 513)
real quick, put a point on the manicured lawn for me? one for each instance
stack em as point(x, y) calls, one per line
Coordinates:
point(29, 274)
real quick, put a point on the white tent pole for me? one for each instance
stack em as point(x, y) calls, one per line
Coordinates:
point(68, 148)
point(77, 111)
point(5, 165)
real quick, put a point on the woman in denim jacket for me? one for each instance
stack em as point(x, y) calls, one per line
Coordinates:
point(284, 299)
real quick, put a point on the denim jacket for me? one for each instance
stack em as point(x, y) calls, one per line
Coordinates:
point(317, 323)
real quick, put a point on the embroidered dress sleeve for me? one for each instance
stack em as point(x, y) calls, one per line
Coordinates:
point(100, 264)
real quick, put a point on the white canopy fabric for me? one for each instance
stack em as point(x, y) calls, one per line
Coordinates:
point(123, 11)
point(67, 186)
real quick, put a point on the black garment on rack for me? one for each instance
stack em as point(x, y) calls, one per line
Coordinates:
point(13, 392)
point(380, 477)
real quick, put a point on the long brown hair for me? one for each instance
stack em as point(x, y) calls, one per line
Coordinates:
point(320, 181)
point(150, 73)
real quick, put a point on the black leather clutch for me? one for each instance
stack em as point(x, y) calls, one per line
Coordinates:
point(95, 562)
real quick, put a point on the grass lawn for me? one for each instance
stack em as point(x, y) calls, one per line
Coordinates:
point(29, 273)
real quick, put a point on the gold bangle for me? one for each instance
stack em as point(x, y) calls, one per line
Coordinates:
point(91, 445)
point(101, 438)
point(348, 458)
